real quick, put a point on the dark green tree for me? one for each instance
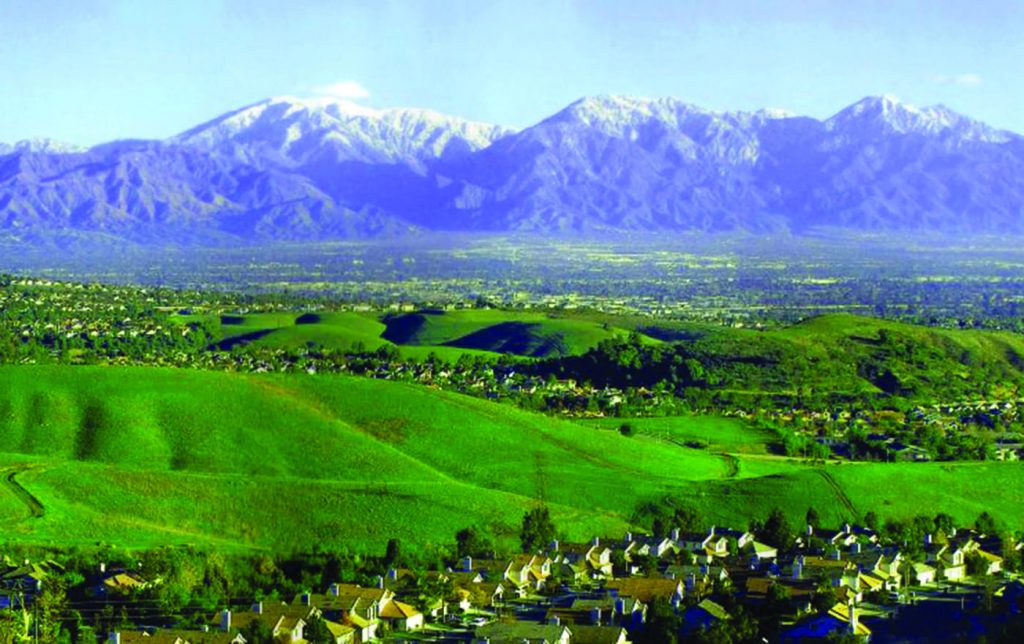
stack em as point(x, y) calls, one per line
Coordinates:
point(538, 530)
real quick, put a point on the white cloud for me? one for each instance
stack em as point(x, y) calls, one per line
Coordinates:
point(960, 80)
point(350, 90)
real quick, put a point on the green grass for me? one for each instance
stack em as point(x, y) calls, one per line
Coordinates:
point(714, 433)
point(525, 333)
point(145, 456)
point(128, 448)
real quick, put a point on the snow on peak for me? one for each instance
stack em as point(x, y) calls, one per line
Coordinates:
point(299, 127)
point(891, 115)
point(43, 146)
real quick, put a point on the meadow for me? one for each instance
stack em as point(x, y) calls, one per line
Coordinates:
point(142, 456)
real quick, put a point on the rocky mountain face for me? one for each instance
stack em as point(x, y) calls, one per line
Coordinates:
point(291, 169)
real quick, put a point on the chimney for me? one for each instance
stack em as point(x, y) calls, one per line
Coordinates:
point(554, 545)
point(675, 534)
point(392, 574)
point(103, 568)
point(810, 529)
point(335, 590)
point(554, 620)
point(628, 538)
point(835, 554)
point(467, 564)
point(307, 599)
point(258, 608)
point(856, 546)
point(380, 582)
point(225, 620)
point(595, 616)
point(928, 539)
point(114, 638)
point(596, 541)
point(846, 528)
point(620, 606)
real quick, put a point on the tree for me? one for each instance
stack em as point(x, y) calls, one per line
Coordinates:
point(470, 543)
point(777, 530)
point(48, 610)
point(812, 517)
point(316, 632)
point(986, 524)
point(538, 529)
point(393, 553)
point(257, 632)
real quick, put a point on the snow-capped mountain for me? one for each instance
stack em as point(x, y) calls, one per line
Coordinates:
point(292, 130)
point(290, 168)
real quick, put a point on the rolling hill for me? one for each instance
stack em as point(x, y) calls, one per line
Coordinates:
point(140, 456)
point(449, 334)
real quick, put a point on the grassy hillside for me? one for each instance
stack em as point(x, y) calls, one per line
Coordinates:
point(708, 432)
point(833, 356)
point(526, 333)
point(139, 456)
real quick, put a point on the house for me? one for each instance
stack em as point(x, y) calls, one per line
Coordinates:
point(117, 582)
point(527, 572)
point(518, 632)
point(472, 590)
point(742, 537)
point(836, 621)
point(173, 636)
point(923, 574)
point(342, 633)
point(401, 617)
point(646, 589)
point(586, 560)
point(286, 623)
point(703, 616)
point(355, 606)
point(599, 635)
point(762, 553)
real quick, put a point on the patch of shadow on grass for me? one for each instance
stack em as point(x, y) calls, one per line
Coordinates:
point(389, 430)
point(94, 419)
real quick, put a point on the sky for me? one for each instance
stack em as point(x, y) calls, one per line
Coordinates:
point(87, 71)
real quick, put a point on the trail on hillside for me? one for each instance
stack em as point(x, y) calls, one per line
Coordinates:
point(838, 491)
point(732, 465)
point(8, 481)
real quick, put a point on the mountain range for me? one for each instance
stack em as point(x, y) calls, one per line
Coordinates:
point(318, 169)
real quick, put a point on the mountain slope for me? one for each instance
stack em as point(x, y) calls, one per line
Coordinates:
point(324, 169)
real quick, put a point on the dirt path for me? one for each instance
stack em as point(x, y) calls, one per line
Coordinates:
point(8, 481)
point(732, 465)
point(838, 491)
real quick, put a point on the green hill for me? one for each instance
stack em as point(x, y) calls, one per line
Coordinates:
point(832, 356)
point(526, 333)
point(140, 456)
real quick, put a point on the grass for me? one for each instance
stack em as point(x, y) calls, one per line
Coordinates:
point(714, 433)
point(145, 456)
point(525, 333)
point(449, 334)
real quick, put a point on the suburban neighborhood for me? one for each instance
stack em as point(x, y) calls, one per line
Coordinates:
point(850, 582)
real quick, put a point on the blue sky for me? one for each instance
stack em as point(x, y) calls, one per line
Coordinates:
point(93, 70)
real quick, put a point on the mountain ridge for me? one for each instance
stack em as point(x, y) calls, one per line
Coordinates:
point(317, 169)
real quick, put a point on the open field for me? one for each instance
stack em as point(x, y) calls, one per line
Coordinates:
point(143, 456)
